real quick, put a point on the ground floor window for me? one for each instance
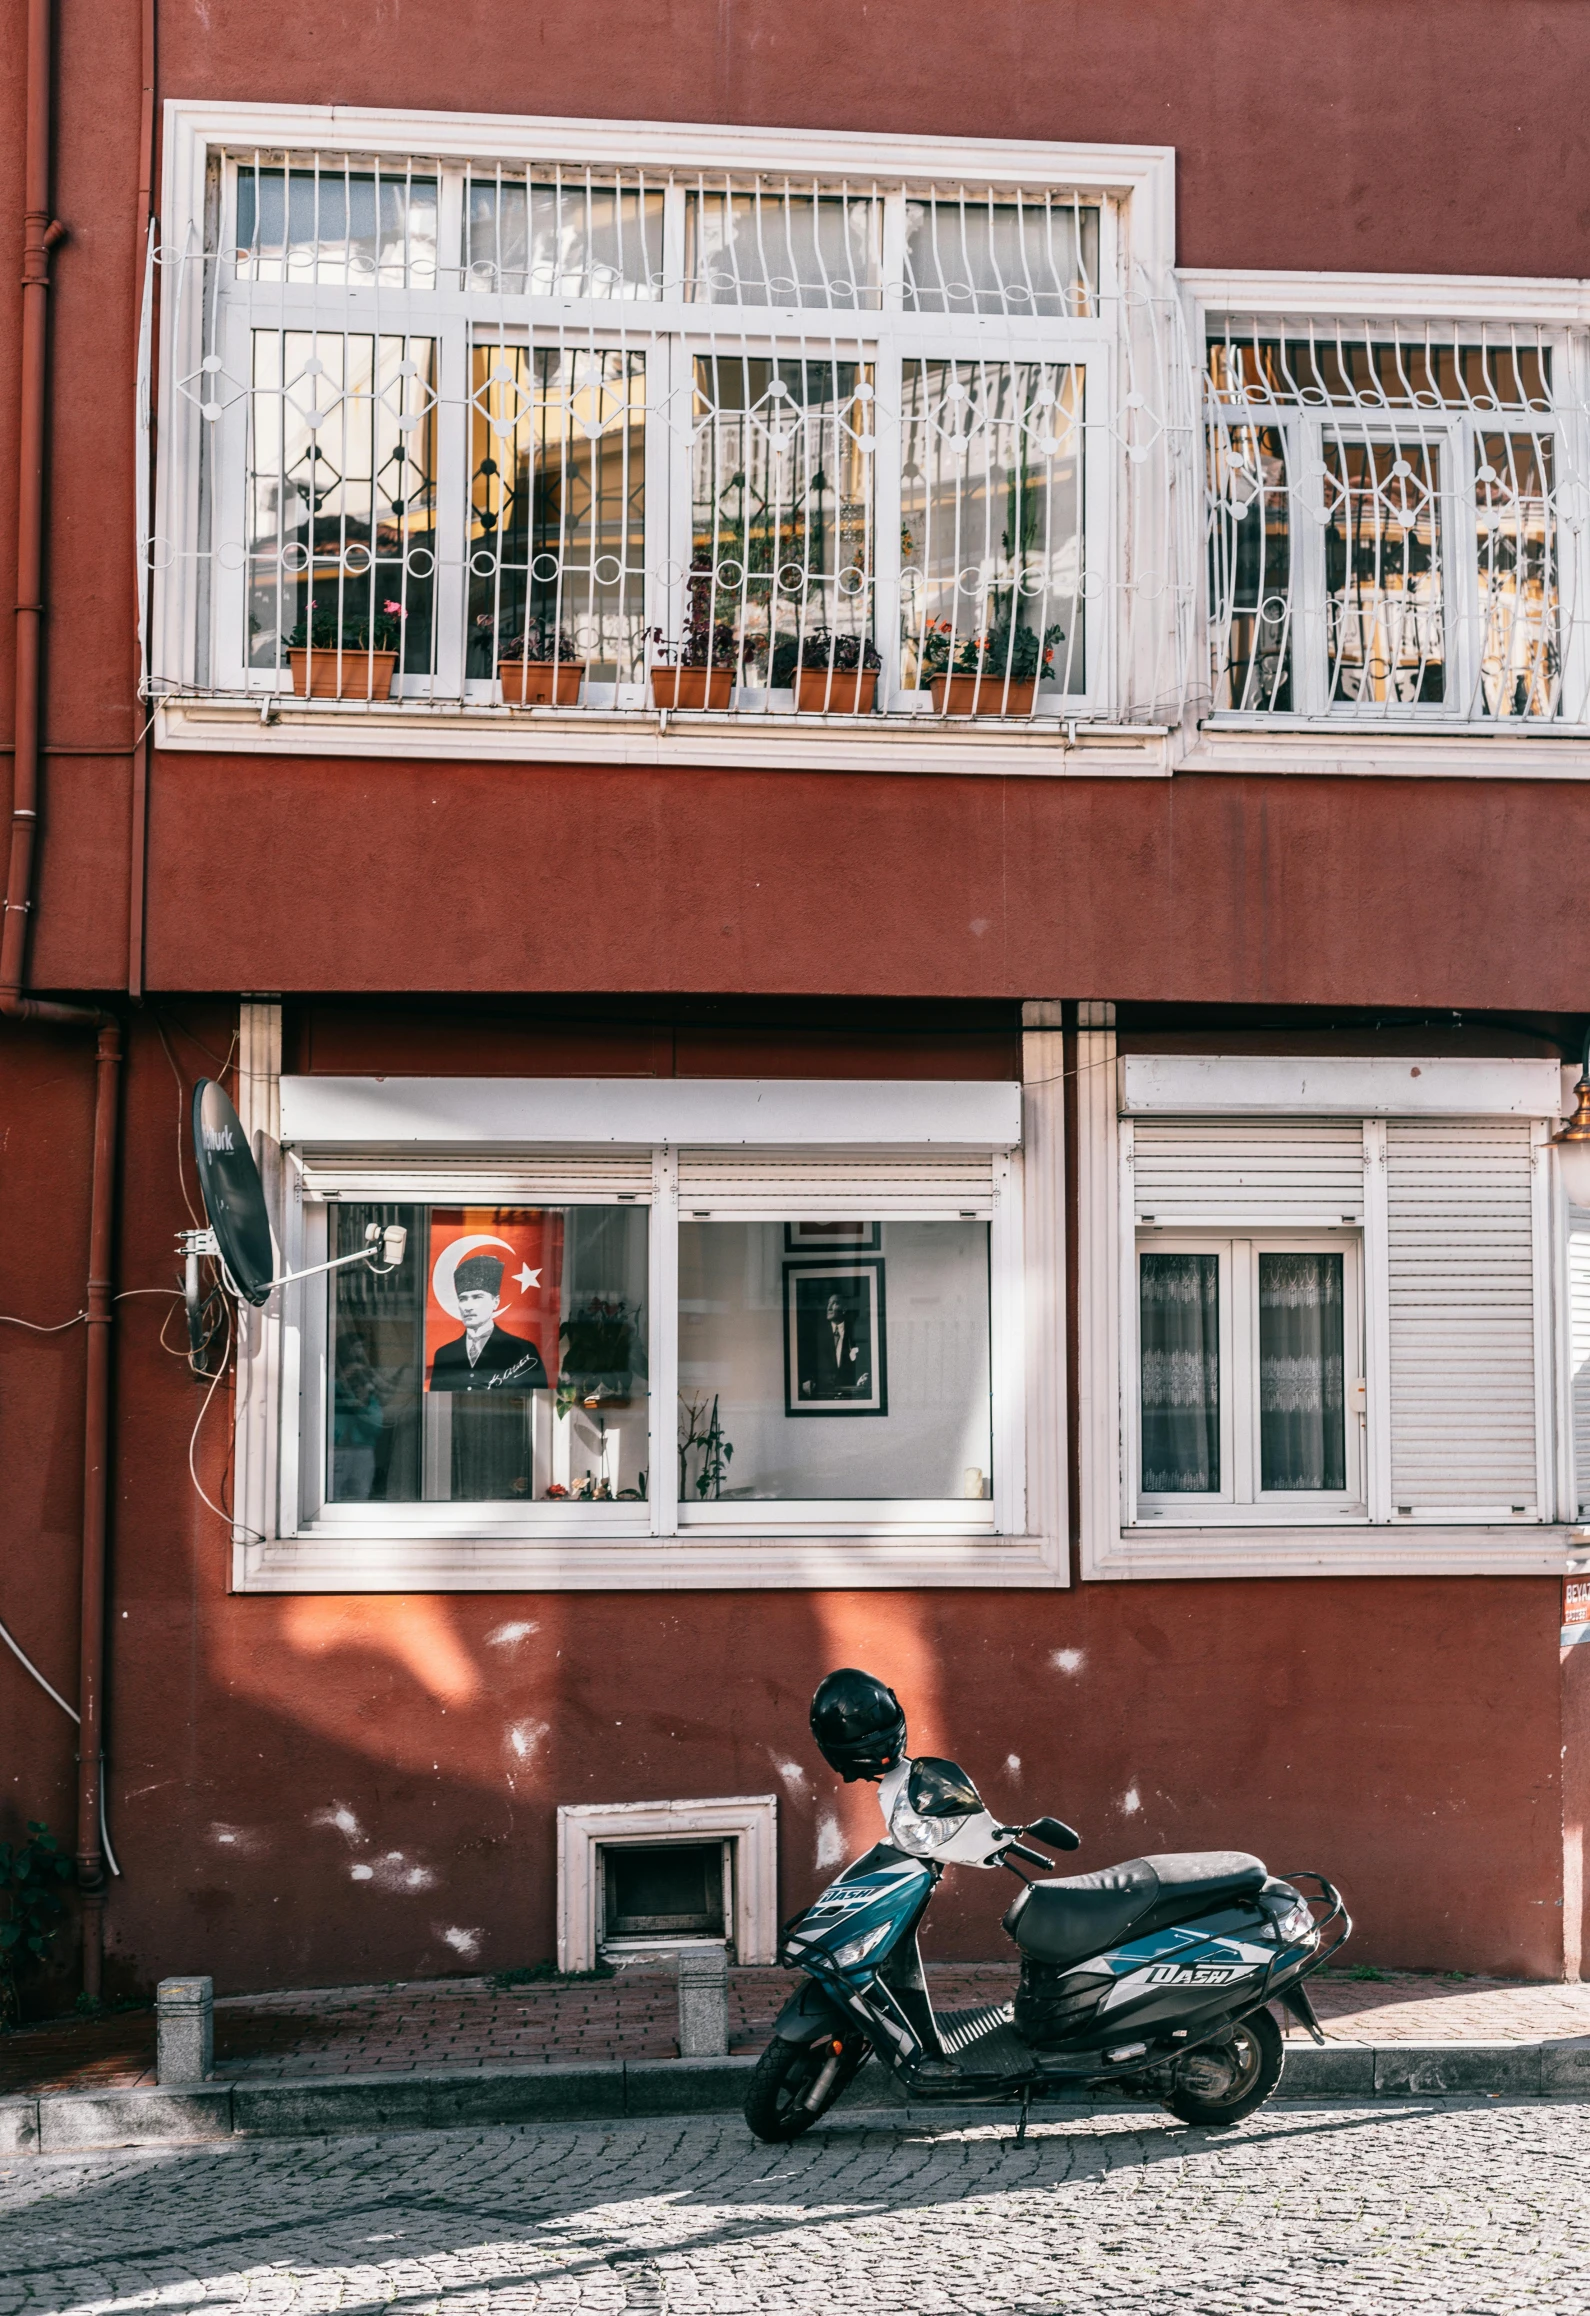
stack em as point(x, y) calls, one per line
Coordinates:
point(1244, 1352)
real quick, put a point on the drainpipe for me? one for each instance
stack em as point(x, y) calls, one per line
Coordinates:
point(40, 235)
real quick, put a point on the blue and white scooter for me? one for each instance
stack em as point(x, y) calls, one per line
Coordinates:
point(1154, 1976)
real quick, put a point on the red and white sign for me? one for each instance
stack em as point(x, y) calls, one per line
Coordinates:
point(1575, 1610)
point(528, 1243)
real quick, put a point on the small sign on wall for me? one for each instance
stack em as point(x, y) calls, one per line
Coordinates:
point(1575, 1610)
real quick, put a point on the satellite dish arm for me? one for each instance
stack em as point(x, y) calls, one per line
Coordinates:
point(390, 1240)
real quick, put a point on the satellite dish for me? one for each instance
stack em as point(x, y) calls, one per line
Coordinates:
point(234, 1196)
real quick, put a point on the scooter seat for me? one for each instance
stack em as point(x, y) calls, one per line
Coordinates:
point(1065, 1920)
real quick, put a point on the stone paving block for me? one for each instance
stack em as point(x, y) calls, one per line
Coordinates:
point(19, 2126)
point(1437, 2070)
point(1565, 2066)
point(124, 2118)
point(1336, 2071)
point(685, 2086)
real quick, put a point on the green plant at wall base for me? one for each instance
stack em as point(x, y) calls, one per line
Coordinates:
point(30, 1874)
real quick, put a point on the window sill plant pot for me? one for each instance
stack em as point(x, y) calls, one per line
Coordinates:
point(692, 687)
point(351, 674)
point(842, 691)
point(982, 695)
point(540, 683)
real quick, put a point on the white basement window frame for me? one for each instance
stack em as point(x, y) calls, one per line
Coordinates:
point(367, 324)
point(1432, 1178)
point(900, 1153)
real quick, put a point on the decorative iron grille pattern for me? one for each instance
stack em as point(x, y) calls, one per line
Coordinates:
point(1396, 522)
point(566, 437)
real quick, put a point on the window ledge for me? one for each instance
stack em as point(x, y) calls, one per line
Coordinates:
point(1536, 1549)
point(721, 1563)
point(1390, 751)
point(742, 739)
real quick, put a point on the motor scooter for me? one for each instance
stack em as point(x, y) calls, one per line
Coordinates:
point(1153, 1977)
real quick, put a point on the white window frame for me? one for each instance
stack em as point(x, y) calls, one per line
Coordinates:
point(1428, 741)
point(1115, 1544)
point(1132, 188)
point(286, 1538)
point(1241, 1500)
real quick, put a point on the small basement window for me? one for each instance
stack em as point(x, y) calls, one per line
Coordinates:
point(665, 1891)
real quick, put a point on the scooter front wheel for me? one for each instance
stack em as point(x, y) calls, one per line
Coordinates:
point(794, 2083)
point(1227, 2081)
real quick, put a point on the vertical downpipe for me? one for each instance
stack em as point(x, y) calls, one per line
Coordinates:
point(40, 233)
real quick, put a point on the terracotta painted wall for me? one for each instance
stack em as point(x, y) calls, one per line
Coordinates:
point(1406, 1735)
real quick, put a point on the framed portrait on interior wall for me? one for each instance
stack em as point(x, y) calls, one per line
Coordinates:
point(826, 1238)
point(834, 1338)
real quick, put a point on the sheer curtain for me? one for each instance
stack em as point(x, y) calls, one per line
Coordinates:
point(1180, 1334)
point(1302, 1404)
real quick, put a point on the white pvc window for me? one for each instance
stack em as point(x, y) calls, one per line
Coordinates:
point(567, 1361)
point(1248, 1376)
point(1392, 525)
point(823, 444)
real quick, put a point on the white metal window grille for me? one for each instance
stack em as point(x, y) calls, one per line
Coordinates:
point(520, 436)
point(1392, 524)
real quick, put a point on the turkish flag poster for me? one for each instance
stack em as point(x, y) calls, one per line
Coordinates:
point(493, 1301)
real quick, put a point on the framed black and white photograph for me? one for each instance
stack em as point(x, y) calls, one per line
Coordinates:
point(827, 1238)
point(834, 1338)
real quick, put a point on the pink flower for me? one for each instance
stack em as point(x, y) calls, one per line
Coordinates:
point(397, 607)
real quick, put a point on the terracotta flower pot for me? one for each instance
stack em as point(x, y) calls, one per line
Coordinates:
point(352, 675)
point(692, 687)
point(845, 691)
point(541, 683)
point(982, 695)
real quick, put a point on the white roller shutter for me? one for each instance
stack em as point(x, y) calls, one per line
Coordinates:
point(1461, 1264)
point(1264, 1174)
point(817, 1182)
point(479, 1178)
point(1579, 1352)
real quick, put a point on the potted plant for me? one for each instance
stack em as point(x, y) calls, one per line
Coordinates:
point(828, 671)
point(337, 657)
point(993, 674)
point(539, 667)
point(701, 672)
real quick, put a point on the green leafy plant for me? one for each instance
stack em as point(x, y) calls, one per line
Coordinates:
point(539, 641)
point(999, 653)
point(326, 626)
point(822, 648)
point(30, 1874)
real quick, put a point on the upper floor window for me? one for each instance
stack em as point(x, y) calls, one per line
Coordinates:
point(625, 435)
point(1389, 532)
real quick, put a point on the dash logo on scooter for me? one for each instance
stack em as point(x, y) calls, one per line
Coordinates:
point(1155, 1975)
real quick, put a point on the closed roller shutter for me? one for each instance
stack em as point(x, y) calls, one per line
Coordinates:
point(1252, 1176)
point(1460, 1252)
point(1579, 1351)
point(446, 1177)
point(858, 1183)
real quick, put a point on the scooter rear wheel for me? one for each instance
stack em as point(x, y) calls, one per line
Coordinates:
point(780, 2103)
point(1224, 2084)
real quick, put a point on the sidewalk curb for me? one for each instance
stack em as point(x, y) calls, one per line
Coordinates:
point(462, 2098)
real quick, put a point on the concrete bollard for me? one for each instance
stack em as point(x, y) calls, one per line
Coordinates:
point(704, 2003)
point(185, 2030)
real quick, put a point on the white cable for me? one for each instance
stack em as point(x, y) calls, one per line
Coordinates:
point(23, 1659)
point(193, 1441)
point(104, 1829)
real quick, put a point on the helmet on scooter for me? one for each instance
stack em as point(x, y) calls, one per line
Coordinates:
point(858, 1724)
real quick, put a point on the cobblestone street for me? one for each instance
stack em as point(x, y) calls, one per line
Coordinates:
point(1459, 2206)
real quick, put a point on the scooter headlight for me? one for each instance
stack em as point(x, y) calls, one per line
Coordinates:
point(857, 1950)
point(910, 1831)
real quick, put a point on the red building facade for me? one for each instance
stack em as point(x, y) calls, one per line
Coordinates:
point(904, 747)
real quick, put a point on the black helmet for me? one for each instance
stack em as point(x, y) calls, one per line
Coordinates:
point(858, 1724)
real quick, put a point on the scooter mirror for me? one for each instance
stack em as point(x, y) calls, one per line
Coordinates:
point(1055, 1832)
